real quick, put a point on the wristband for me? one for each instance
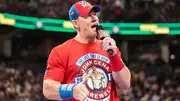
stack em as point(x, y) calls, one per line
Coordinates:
point(66, 91)
point(116, 63)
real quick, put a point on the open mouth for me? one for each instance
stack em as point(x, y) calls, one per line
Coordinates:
point(94, 26)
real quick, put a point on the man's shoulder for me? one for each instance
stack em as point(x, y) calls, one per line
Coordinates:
point(64, 46)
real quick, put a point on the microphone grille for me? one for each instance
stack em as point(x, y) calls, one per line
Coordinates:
point(99, 27)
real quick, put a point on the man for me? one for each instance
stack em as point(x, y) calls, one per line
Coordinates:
point(69, 75)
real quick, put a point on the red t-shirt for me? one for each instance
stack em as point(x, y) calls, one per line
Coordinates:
point(70, 60)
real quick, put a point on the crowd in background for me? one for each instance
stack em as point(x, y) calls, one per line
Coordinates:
point(20, 84)
point(153, 87)
point(152, 78)
point(117, 10)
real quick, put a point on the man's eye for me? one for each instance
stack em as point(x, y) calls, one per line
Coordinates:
point(92, 14)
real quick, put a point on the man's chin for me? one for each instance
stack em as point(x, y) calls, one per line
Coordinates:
point(93, 32)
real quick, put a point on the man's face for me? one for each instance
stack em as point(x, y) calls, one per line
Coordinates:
point(87, 24)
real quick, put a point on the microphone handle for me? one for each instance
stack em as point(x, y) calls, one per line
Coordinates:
point(110, 51)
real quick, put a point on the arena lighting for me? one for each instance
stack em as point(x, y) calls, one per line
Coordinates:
point(154, 28)
point(148, 27)
point(39, 24)
point(161, 30)
point(25, 26)
point(67, 24)
point(115, 29)
point(6, 21)
point(60, 25)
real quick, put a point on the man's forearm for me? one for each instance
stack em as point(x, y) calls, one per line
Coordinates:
point(120, 72)
point(54, 90)
point(122, 78)
point(51, 89)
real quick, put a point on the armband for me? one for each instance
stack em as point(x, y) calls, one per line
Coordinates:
point(66, 91)
point(117, 63)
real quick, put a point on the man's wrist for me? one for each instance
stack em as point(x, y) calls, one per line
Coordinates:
point(117, 63)
point(66, 91)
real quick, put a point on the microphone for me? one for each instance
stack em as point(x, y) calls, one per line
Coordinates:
point(102, 33)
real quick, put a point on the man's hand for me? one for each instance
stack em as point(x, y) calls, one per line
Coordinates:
point(109, 43)
point(80, 92)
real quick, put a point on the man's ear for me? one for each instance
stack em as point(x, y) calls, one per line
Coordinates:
point(75, 24)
